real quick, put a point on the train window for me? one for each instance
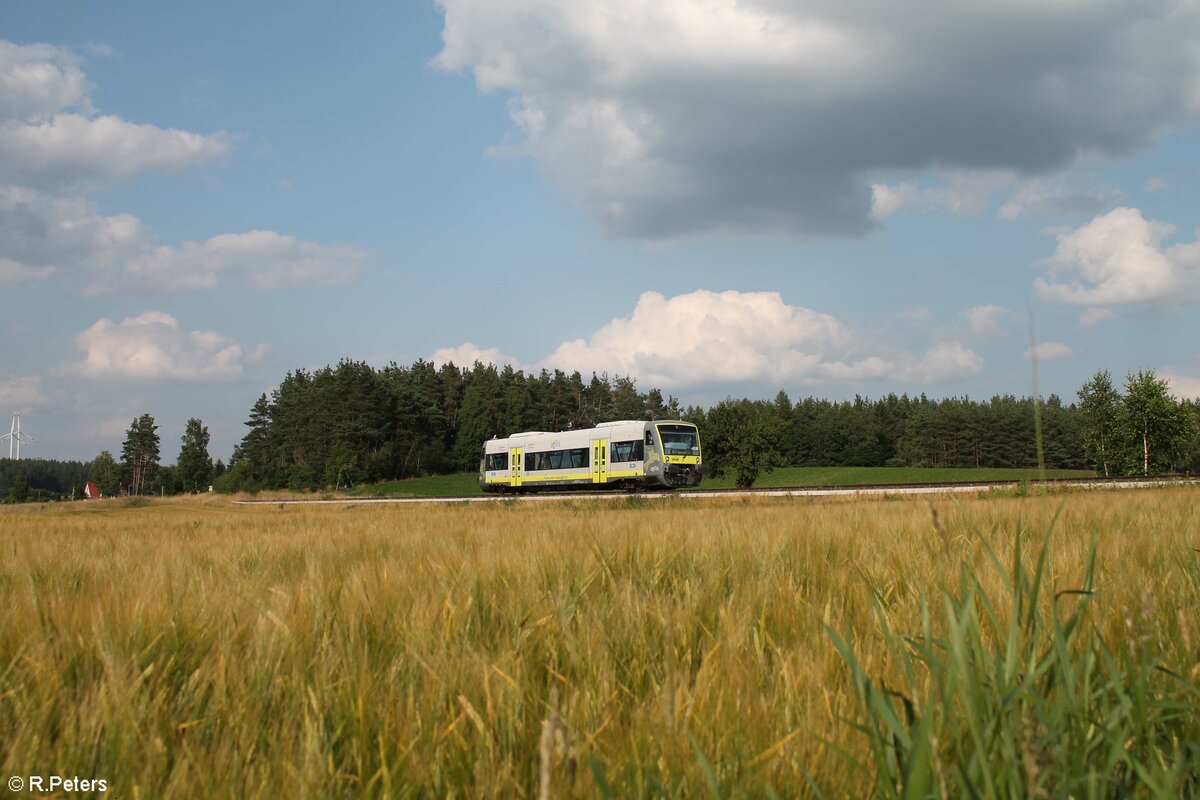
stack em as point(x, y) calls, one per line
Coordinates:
point(650, 438)
point(496, 461)
point(627, 451)
point(679, 440)
point(556, 459)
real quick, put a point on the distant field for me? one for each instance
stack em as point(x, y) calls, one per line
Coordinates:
point(466, 484)
point(434, 486)
point(193, 648)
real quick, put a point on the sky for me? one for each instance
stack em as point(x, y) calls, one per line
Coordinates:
point(716, 198)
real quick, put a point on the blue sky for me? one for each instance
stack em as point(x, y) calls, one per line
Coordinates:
point(716, 198)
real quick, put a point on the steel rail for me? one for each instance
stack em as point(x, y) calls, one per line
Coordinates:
point(942, 487)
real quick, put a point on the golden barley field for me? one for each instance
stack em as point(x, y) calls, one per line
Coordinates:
point(679, 648)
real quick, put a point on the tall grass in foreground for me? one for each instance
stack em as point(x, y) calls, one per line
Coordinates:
point(628, 649)
point(1026, 703)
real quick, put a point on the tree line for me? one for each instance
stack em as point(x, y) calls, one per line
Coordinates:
point(139, 470)
point(1140, 431)
point(35, 479)
point(352, 423)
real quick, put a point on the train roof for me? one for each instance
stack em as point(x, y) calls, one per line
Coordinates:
point(612, 424)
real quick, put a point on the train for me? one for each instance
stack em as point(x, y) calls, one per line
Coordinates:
point(626, 454)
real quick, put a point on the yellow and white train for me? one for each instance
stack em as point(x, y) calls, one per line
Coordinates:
point(629, 454)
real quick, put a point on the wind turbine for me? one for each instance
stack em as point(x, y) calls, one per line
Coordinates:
point(14, 435)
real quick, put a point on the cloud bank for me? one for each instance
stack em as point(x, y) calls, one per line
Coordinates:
point(684, 117)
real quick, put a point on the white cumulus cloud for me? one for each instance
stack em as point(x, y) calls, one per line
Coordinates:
point(1041, 197)
point(466, 354)
point(1156, 184)
point(1047, 351)
point(1094, 316)
point(708, 337)
point(49, 135)
point(42, 234)
point(39, 79)
point(985, 320)
point(704, 339)
point(945, 362)
point(690, 116)
point(265, 258)
point(71, 148)
point(964, 192)
point(21, 391)
point(1119, 257)
point(153, 346)
point(1183, 386)
point(55, 152)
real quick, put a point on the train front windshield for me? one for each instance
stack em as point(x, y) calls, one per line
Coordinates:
point(679, 440)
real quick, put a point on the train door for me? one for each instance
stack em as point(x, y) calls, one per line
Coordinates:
point(516, 465)
point(600, 461)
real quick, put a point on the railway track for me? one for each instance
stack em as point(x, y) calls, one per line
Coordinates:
point(774, 491)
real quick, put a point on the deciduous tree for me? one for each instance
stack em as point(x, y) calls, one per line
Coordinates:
point(106, 474)
point(1160, 428)
point(742, 437)
point(1100, 407)
point(19, 493)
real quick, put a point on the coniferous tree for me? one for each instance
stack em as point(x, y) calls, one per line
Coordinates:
point(597, 401)
point(420, 423)
point(626, 402)
point(139, 454)
point(194, 467)
point(253, 460)
point(477, 416)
